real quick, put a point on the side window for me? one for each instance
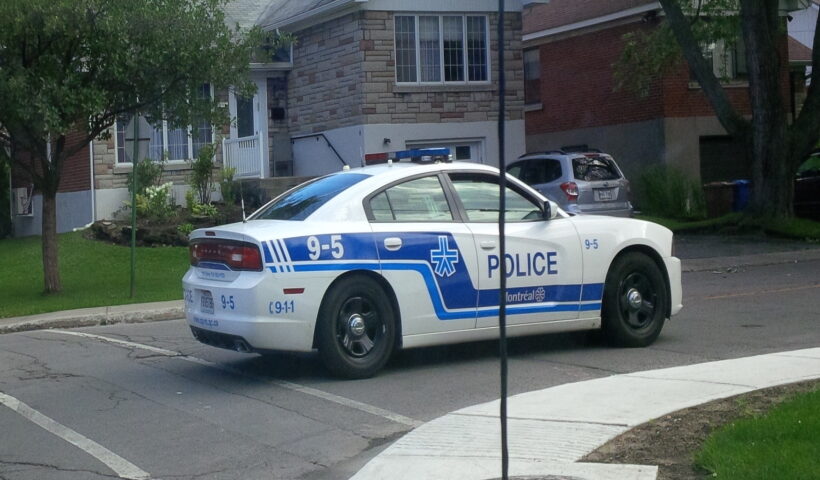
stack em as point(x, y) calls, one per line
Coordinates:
point(419, 200)
point(552, 170)
point(479, 196)
point(516, 170)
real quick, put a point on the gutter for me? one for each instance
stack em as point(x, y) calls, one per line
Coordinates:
point(305, 16)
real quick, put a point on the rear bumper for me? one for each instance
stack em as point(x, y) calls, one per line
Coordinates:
point(612, 210)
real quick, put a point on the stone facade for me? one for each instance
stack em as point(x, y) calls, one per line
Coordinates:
point(344, 75)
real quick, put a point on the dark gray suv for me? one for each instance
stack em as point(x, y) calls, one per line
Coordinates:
point(583, 182)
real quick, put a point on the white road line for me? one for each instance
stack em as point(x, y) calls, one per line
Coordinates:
point(347, 402)
point(122, 467)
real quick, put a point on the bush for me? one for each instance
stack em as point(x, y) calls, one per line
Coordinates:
point(667, 192)
point(149, 174)
point(202, 173)
point(155, 204)
point(227, 185)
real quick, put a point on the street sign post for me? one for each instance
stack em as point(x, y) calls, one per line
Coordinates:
point(139, 146)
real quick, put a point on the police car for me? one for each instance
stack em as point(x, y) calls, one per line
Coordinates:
point(365, 261)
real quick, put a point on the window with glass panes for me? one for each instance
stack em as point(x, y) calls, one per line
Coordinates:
point(441, 48)
point(178, 143)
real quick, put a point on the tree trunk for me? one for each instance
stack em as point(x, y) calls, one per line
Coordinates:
point(772, 176)
point(51, 267)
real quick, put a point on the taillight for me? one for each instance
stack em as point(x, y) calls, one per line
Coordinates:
point(234, 254)
point(571, 190)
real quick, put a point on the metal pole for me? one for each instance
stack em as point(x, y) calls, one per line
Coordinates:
point(502, 244)
point(134, 162)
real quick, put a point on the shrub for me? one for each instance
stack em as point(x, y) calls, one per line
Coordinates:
point(149, 174)
point(227, 185)
point(202, 173)
point(155, 203)
point(204, 210)
point(185, 228)
point(667, 192)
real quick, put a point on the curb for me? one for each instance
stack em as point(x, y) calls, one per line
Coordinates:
point(88, 317)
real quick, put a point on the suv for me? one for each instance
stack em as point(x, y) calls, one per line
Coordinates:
point(588, 182)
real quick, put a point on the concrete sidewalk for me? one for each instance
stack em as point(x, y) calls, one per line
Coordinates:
point(551, 429)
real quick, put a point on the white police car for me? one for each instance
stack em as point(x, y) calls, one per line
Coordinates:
point(359, 263)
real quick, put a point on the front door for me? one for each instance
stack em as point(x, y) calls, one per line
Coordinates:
point(543, 257)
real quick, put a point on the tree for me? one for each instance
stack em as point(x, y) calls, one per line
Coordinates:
point(773, 146)
point(76, 65)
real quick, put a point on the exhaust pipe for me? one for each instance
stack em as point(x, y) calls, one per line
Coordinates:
point(241, 346)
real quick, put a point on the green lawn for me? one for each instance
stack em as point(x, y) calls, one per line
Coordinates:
point(781, 444)
point(93, 274)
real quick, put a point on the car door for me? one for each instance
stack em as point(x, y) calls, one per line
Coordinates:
point(426, 255)
point(543, 257)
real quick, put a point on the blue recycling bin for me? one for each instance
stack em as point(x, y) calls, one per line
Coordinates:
point(742, 191)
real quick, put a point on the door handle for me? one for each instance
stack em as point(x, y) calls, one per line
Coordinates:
point(392, 243)
point(487, 244)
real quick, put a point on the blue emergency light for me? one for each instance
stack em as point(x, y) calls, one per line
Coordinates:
point(418, 155)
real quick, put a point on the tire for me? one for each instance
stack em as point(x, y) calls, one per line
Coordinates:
point(635, 301)
point(356, 328)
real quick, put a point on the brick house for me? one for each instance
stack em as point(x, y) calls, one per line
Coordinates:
point(372, 76)
point(364, 76)
point(570, 47)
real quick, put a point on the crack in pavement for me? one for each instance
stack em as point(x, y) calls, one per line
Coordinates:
point(55, 468)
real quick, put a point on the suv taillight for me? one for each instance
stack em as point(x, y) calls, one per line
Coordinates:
point(571, 190)
point(234, 254)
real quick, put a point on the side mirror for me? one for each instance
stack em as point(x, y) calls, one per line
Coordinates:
point(546, 209)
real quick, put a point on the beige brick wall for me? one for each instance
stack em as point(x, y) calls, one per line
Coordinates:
point(344, 75)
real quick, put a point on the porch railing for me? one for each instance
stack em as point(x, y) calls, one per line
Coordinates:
point(245, 155)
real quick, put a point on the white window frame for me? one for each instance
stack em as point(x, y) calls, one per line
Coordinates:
point(165, 128)
point(442, 67)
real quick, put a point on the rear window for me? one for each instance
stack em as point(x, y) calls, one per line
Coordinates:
point(595, 168)
point(306, 199)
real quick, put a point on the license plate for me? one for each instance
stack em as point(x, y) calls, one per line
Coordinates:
point(206, 302)
point(604, 195)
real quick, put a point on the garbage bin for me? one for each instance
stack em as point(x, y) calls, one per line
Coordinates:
point(719, 198)
point(741, 195)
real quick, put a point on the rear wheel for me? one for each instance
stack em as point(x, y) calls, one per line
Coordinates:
point(635, 301)
point(356, 328)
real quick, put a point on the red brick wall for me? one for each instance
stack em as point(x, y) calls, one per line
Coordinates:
point(578, 86)
point(76, 174)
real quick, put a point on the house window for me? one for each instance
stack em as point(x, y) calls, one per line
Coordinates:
point(728, 59)
point(532, 76)
point(173, 143)
point(441, 49)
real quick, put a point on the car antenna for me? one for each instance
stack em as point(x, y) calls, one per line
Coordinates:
point(242, 203)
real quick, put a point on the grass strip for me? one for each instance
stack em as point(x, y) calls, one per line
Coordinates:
point(780, 444)
point(93, 274)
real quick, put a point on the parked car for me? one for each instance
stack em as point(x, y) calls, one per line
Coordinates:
point(362, 262)
point(807, 188)
point(587, 182)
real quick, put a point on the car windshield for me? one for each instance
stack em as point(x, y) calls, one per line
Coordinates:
point(810, 167)
point(593, 169)
point(299, 203)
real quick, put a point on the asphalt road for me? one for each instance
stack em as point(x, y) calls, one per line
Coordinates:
point(147, 401)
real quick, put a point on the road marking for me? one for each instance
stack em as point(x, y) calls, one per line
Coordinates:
point(122, 467)
point(761, 292)
point(344, 401)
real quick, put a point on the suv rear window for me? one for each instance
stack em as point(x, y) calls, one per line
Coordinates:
point(595, 168)
point(306, 199)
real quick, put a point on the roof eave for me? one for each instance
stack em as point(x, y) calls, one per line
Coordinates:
point(309, 16)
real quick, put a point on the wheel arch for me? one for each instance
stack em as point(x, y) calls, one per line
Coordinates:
point(391, 294)
point(657, 259)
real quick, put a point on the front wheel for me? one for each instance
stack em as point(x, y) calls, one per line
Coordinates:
point(635, 301)
point(356, 328)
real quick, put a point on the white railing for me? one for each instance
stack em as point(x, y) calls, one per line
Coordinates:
point(245, 155)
